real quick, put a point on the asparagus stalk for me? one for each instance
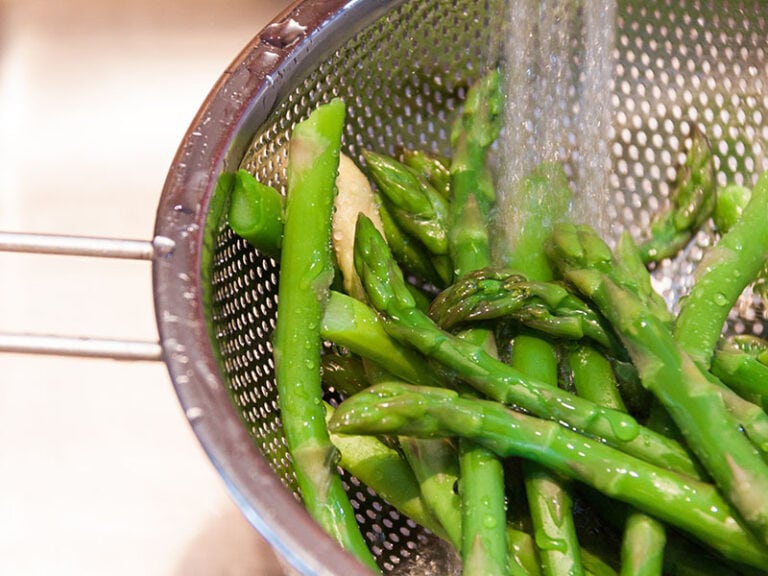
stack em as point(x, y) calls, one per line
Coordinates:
point(696, 404)
point(543, 199)
point(404, 322)
point(721, 276)
point(305, 277)
point(256, 213)
point(416, 206)
point(737, 363)
point(642, 550)
point(729, 205)
point(435, 169)
point(412, 255)
point(691, 505)
point(549, 498)
point(549, 307)
point(472, 192)
point(692, 201)
point(484, 538)
point(349, 323)
point(383, 469)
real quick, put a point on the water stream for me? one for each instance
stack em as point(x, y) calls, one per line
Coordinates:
point(558, 66)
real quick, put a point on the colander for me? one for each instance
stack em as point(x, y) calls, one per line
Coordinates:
point(403, 68)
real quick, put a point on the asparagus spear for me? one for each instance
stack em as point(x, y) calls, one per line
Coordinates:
point(549, 499)
point(256, 213)
point(349, 323)
point(484, 538)
point(737, 362)
point(420, 209)
point(412, 255)
point(691, 505)
point(642, 550)
point(542, 200)
point(696, 404)
point(386, 290)
point(692, 202)
point(472, 192)
point(729, 205)
point(305, 277)
point(721, 276)
point(383, 469)
point(549, 307)
point(435, 169)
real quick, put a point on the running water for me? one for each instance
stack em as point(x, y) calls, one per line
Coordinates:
point(558, 65)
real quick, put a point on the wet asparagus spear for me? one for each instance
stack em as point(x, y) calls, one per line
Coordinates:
point(472, 192)
point(256, 213)
point(695, 403)
point(349, 323)
point(404, 322)
point(543, 198)
point(692, 203)
point(549, 307)
point(549, 499)
point(305, 277)
point(482, 489)
point(416, 206)
point(726, 269)
point(383, 469)
point(691, 505)
point(642, 549)
point(435, 169)
point(741, 363)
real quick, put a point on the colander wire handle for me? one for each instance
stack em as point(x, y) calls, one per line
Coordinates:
point(89, 246)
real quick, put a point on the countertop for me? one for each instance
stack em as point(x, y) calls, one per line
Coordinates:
point(100, 472)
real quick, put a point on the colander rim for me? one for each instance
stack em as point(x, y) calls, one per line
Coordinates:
point(215, 141)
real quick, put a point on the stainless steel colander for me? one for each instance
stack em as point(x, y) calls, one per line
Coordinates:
point(403, 67)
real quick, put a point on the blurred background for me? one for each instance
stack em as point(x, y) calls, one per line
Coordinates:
point(99, 471)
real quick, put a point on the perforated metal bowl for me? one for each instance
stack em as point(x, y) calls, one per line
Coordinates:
point(403, 68)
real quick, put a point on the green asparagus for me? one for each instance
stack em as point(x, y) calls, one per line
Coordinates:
point(484, 538)
point(688, 394)
point(416, 206)
point(741, 363)
point(642, 550)
point(493, 294)
point(691, 505)
point(472, 192)
point(726, 269)
point(435, 169)
point(305, 277)
point(692, 202)
point(386, 290)
point(549, 499)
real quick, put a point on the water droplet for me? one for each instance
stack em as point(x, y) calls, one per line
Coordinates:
point(490, 522)
point(720, 299)
point(545, 542)
point(625, 427)
point(194, 413)
point(283, 34)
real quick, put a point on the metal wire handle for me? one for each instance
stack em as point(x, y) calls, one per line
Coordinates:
point(89, 246)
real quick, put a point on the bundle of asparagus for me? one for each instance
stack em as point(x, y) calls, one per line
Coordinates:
point(555, 383)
